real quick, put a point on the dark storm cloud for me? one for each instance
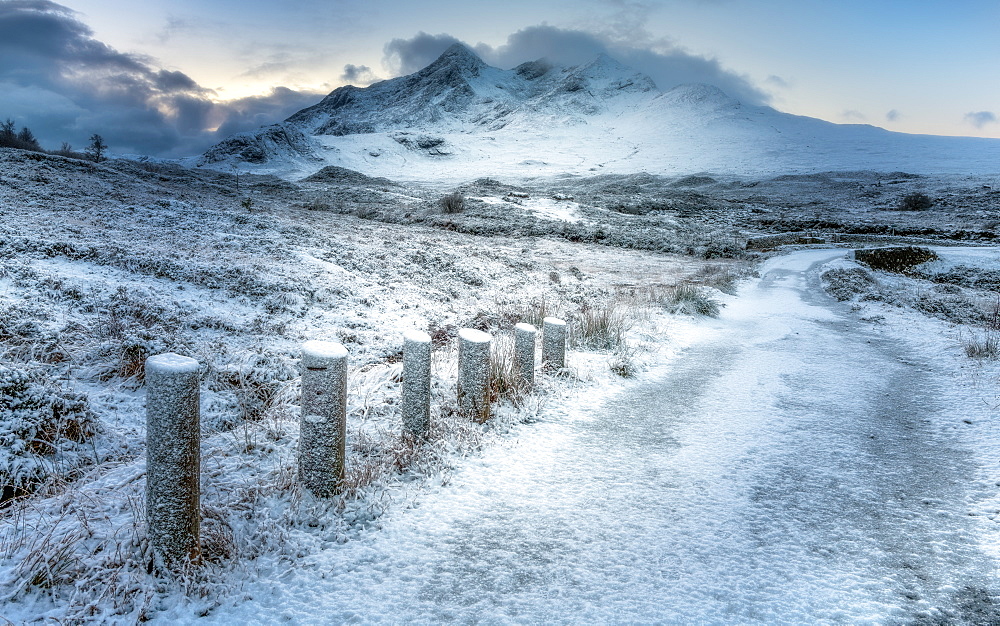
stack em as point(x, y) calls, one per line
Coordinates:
point(405, 56)
point(980, 119)
point(893, 116)
point(47, 52)
point(667, 66)
point(65, 85)
point(255, 111)
point(358, 75)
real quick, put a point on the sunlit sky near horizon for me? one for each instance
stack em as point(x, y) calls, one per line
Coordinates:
point(85, 66)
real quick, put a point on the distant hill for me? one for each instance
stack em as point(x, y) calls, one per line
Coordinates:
point(459, 118)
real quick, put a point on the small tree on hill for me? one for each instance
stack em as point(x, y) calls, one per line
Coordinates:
point(27, 138)
point(96, 148)
point(7, 133)
point(24, 140)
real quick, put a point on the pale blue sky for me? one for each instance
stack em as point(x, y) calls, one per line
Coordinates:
point(920, 67)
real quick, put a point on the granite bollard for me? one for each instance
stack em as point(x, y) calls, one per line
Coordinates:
point(416, 401)
point(474, 373)
point(173, 458)
point(553, 343)
point(323, 424)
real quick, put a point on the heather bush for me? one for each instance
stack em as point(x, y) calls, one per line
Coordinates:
point(915, 202)
point(39, 431)
point(452, 203)
point(846, 283)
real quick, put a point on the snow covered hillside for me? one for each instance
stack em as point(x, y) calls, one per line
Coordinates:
point(458, 119)
point(106, 263)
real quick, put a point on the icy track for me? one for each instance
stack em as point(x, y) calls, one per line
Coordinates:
point(788, 467)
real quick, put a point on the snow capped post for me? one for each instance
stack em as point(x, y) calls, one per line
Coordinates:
point(524, 353)
point(323, 424)
point(173, 458)
point(474, 373)
point(553, 343)
point(416, 382)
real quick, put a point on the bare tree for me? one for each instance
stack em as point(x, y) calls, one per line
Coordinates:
point(96, 149)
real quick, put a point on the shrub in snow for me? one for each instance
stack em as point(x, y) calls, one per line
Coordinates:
point(915, 202)
point(247, 388)
point(983, 346)
point(622, 361)
point(690, 300)
point(601, 327)
point(285, 302)
point(39, 430)
point(846, 283)
point(452, 203)
point(508, 378)
point(955, 308)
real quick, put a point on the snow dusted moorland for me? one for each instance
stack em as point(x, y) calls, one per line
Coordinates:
point(107, 264)
point(749, 435)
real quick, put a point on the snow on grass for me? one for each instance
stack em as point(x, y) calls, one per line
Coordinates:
point(93, 283)
point(939, 337)
point(546, 208)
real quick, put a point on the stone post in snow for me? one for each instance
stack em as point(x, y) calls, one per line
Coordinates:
point(553, 343)
point(323, 424)
point(474, 373)
point(416, 400)
point(173, 458)
point(524, 353)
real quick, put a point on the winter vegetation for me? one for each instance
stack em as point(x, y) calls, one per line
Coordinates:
point(357, 317)
point(25, 140)
point(96, 283)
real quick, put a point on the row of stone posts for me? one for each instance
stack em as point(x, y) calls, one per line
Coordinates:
point(173, 427)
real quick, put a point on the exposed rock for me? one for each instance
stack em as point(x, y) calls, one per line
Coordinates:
point(894, 259)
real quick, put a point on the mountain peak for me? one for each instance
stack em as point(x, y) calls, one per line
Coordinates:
point(701, 94)
point(603, 62)
point(459, 56)
point(609, 75)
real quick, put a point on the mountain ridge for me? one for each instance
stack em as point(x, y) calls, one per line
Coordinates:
point(459, 117)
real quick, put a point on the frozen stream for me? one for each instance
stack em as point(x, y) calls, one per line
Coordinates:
point(786, 468)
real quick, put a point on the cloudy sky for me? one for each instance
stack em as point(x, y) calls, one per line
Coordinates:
point(171, 77)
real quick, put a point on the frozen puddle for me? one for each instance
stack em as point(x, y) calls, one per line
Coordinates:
point(787, 468)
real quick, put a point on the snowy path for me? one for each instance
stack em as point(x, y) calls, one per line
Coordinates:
point(786, 468)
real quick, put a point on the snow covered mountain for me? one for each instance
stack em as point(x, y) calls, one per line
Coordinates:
point(459, 118)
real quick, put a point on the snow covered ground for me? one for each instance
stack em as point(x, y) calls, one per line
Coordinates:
point(795, 460)
point(785, 463)
point(105, 265)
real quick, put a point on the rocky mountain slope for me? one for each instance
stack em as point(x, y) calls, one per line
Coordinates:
point(459, 118)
